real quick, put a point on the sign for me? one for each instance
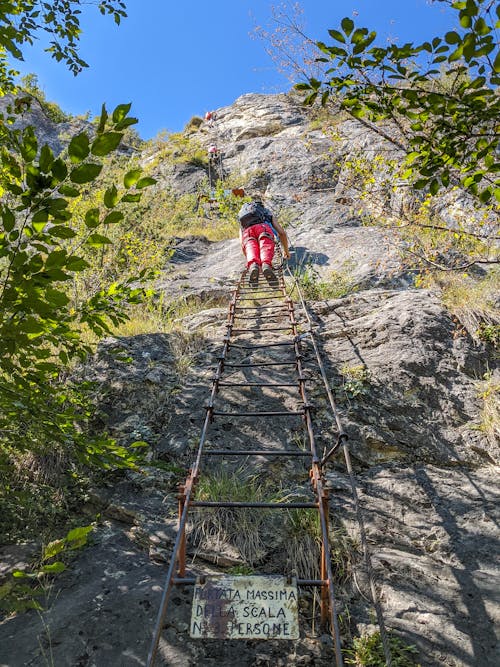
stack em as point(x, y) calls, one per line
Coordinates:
point(263, 607)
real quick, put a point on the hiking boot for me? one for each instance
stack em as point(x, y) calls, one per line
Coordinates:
point(253, 275)
point(269, 275)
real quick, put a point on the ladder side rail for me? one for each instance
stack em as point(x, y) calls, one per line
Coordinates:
point(187, 493)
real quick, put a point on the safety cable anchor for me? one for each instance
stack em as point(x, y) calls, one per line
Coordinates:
point(342, 437)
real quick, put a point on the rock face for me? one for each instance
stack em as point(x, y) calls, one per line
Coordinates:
point(404, 377)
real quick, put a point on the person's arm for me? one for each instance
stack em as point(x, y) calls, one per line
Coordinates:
point(283, 238)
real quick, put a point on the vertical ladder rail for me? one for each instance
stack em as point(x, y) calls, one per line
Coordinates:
point(178, 549)
point(317, 483)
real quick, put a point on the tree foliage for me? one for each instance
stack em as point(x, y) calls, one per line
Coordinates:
point(441, 96)
point(44, 325)
point(22, 21)
point(41, 254)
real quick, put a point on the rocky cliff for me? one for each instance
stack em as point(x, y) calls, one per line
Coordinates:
point(406, 377)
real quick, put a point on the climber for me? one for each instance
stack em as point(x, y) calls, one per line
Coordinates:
point(210, 117)
point(258, 229)
point(213, 152)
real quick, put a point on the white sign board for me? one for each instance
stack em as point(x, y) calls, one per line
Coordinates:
point(233, 607)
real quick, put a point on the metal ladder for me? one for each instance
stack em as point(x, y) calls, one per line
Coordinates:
point(274, 313)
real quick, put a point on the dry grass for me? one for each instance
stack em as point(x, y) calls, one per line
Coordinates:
point(303, 543)
point(240, 528)
point(212, 228)
point(159, 316)
point(473, 302)
point(489, 392)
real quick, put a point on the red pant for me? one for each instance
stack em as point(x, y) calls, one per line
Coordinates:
point(258, 244)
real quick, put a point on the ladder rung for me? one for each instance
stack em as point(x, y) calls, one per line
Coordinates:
point(282, 308)
point(260, 316)
point(191, 581)
point(260, 384)
point(233, 331)
point(259, 289)
point(259, 414)
point(263, 345)
point(228, 503)
point(263, 363)
point(253, 452)
point(257, 298)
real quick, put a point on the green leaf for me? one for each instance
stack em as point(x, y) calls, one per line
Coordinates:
point(57, 204)
point(347, 25)
point(31, 326)
point(113, 217)
point(485, 196)
point(69, 191)
point(358, 35)
point(56, 297)
point(496, 64)
point(337, 35)
point(97, 241)
point(92, 218)
point(42, 215)
point(102, 120)
point(86, 173)
point(106, 143)
point(78, 148)
point(145, 182)
point(54, 568)
point(29, 147)
point(111, 197)
point(78, 533)
point(52, 549)
point(120, 112)
point(126, 122)
point(57, 258)
point(46, 159)
point(452, 37)
point(75, 263)
point(59, 170)
point(20, 574)
point(39, 220)
point(457, 54)
point(131, 197)
point(8, 219)
point(481, 27)
point(131, 177)
point(61, 232)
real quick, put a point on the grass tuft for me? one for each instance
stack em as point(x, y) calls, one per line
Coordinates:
point(474, 302)
point(489, 392)
point(367, 651)
point(315, 288)
point(241, 528)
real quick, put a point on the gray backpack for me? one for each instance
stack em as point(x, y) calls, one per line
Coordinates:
point(252, 213)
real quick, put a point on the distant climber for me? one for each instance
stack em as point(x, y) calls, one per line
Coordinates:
point(258, 229)
point(210, 118)
point(213, 152)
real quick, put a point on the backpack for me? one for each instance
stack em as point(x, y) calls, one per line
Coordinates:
point(252, 213)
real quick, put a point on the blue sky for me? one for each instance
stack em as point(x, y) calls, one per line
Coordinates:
point(174, 59)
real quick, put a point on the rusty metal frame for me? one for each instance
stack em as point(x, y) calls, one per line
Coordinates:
point(176, 573)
